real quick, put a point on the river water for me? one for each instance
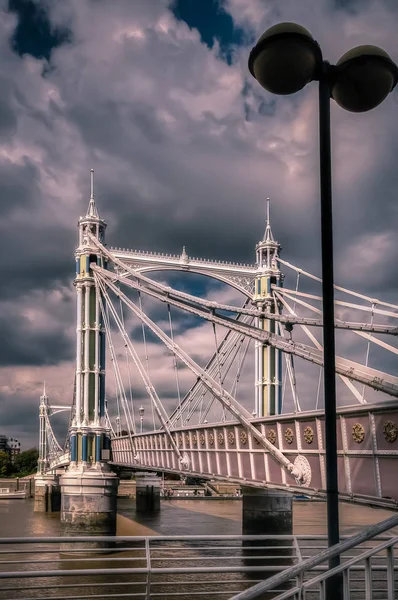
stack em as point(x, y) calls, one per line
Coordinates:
point(177, 517)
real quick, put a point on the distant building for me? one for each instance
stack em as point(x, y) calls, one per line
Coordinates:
point(11, 446)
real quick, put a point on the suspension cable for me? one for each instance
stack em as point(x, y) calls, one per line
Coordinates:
point(146, 355)
point(131, 406)
point(160, 411)
point(175, 364)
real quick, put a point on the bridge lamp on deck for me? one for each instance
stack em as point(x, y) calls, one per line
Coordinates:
point(284, 60)
point(141, 411)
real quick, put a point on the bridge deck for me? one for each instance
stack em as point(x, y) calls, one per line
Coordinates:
point(367, 443)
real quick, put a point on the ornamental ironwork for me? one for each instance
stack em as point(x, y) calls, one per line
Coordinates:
point(202, 439)
point(195, 439)
point(180, 439)
point(243, 437)
point(358, 433)
point(271, 436)
point(211, 439)
point(309, 435)
point(187, 439)
point(231, 438)
point(390, 431)
point(220, 438)
point(289, 435)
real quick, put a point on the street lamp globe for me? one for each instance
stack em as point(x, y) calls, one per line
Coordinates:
point(141, 410)
point(363, 78)
point(285, 59)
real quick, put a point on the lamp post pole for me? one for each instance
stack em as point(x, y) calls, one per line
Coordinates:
point(329, 369)
point(284, 60)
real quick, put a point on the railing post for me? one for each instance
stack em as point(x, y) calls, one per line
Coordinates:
point(368, 579)
point(390, 573)
point(346, 584)
point(148, 564)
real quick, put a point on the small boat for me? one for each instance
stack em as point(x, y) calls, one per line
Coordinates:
point(5, 493)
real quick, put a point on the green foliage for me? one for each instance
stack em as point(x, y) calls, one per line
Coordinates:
point(5, 464)
point(26, 462)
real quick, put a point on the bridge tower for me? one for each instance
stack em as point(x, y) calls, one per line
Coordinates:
point(268, 360)
point(89, 487)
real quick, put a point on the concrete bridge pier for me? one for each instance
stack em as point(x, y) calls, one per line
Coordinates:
point(147, 492)
point(266, 511)
point(89, 502)
point(47, 493)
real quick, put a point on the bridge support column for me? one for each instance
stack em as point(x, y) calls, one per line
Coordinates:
point(47, 493)
point(147, 492)
point(89, 503)
point(266, 512)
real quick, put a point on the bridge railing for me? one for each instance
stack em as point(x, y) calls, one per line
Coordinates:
point(369, 574)
point(186, 567)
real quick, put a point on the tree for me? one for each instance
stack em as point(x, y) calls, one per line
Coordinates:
point(25, 463)
point(5, 464)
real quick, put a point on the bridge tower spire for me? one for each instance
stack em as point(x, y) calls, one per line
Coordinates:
point(89, 431)
point(268, 360)
point(42, 460)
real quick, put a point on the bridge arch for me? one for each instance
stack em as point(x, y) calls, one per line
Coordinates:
point(240, 283)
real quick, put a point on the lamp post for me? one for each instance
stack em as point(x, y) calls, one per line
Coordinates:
point(284, 60)
point(141, 410)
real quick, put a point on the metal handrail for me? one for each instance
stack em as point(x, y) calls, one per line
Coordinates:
point(298, 570)
point(213, 565)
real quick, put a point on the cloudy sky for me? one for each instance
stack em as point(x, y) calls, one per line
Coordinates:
point(155, 95)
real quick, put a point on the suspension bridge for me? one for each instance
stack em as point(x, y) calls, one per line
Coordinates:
point(215, 423)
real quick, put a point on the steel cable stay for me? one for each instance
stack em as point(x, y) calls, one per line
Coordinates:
point(280, 333)
point(371, 339)
point(146, 356)
point(115, 363)
point(368, 351)
point(376, 379)
point(175, 364)
point(131, 410)
point(337, 287)
point(220, 378)
point(289, 368)
point(362, 326)
point(158, 406)
point(228, 348)
point(54, 450)
point(118, 377)
point(231, 404)
point(318, 345)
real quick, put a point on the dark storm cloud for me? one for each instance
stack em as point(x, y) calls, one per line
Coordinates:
point(23, 343)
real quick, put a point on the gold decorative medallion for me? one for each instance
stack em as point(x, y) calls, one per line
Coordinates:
point(180, 440)
point(187, 439)
point(289, 435)
point(390, 431)
point(231, 437)
point(358, 433)
point(243, 437)
point(271, 436)
point(309, 435)
point(202, 439)
point(195, 439)
point(211, 439)
point(220, 438)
